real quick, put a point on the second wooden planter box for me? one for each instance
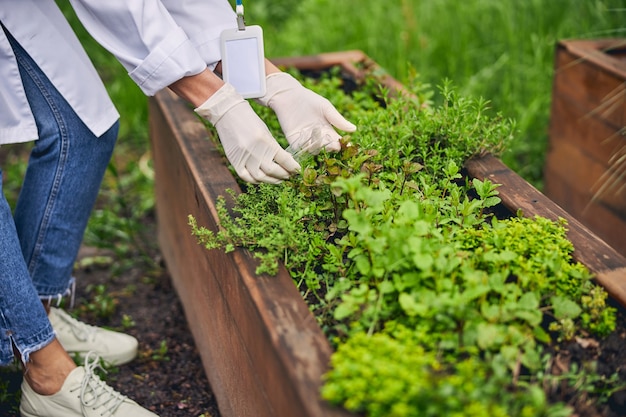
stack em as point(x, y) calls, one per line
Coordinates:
point(585, 169)
point(261, 347)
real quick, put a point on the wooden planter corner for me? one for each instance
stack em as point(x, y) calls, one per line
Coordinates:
point(587, 128)
point(261, 348)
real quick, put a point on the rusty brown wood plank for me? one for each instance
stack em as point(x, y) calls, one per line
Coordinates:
point(586, 177)
point(608, 225)
point(588, 113)
point(261, 348)
point(516, 193)
point(588, 77)
point(322, 62)
point(354, 63)
point(570, 123)
point(597, 51)
point(581, 171)
point(205, 307)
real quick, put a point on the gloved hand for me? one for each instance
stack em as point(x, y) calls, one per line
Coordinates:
point(306, 118)
point(247, 142)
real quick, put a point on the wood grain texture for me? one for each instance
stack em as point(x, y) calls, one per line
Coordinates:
point(586, 136)
point(261, 348)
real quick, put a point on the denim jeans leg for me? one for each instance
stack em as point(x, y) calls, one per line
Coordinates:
point(23, 320)
point(61, 184)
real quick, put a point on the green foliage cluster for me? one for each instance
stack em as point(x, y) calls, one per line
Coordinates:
point(436, 306)
point(405, 379)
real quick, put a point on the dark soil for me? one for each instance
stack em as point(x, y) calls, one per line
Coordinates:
point(608, 355)
point(167, 377)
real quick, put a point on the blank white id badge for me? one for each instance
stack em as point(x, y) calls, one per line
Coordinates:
point(243, 60)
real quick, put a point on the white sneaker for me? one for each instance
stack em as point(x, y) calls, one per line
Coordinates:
point(83, 394)
point(79, 338)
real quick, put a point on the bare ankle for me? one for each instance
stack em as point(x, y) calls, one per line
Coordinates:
point(48, 368)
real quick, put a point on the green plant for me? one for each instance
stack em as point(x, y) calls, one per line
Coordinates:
point(160, 354)
point(406, 380)
point(102, 303)
point(127, 321)
point(10, 393)
point(397, 251)
point(117, 222)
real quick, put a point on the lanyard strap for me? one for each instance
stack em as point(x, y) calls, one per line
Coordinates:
point(241, 25)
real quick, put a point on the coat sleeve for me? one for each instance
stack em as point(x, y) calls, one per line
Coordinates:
point(158, 42)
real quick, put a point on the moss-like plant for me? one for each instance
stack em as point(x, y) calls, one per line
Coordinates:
point(435, 305)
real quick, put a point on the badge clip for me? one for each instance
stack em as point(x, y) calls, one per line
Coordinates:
point(241, 24)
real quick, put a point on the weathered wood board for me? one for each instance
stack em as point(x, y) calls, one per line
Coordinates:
point(587, 127)
point(261, 347)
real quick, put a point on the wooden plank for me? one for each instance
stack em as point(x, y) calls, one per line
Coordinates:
point(261, 348)
point(570, 123)
point(353, 63)
point(593, 80)
point(516, 193)
point(608, 225)
point(608, 54)
point(322, 62)
point(588, 115)
point(584, 176)
point(174, 189)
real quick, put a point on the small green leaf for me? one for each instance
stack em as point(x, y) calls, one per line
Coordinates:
point(344, 310)
point(492, 201)
point(532, 317)
point(528, 301)
point(410, 306)
point(475, 292)
point(423, 261)
point(565, 308)
point(490, 335)
point(541, 335)
point(386, 287)
point(531, 359)
point(363, 264)
point(491, 312)
point(357, 222)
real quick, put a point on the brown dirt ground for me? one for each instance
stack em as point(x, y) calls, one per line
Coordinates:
point(609, 356)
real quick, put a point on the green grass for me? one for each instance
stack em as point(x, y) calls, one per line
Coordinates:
point(502, 50)
point(126, 196)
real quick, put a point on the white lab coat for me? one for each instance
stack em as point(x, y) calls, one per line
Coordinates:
point(157, 41)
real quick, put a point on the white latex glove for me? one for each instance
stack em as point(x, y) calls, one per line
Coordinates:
point(306, 118)
point(247, 142)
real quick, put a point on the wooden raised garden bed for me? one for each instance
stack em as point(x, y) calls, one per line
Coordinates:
point(261, 347)
point(585, 169)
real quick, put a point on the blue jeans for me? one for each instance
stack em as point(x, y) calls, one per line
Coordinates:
point(40, 240)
